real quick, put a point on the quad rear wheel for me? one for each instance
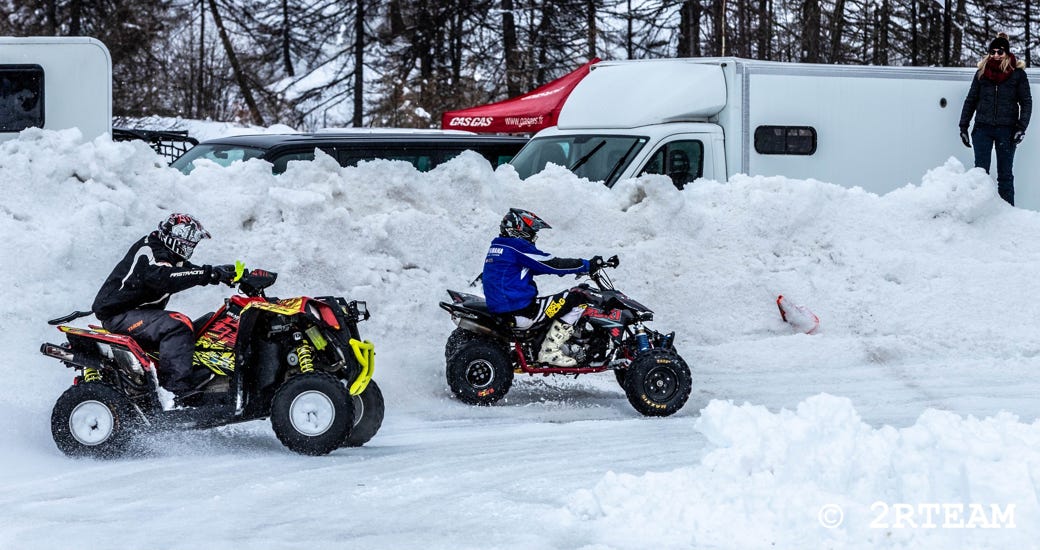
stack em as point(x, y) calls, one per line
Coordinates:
point(312, 413)
point(93, 420)
point(479, 372)
point(458, 338)
point(658, 382)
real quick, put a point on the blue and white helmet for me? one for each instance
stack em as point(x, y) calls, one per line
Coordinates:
point(180, 233)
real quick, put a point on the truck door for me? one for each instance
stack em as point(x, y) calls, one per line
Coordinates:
point(680, 159)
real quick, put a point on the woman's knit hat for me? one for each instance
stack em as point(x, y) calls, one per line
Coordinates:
point(1001, 41)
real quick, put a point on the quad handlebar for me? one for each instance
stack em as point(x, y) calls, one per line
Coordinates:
point(597, 263)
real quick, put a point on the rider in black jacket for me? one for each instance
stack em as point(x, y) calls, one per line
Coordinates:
point(1001, 102)
point(132, 300)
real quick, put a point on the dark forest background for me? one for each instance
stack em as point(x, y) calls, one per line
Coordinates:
point(317, 63)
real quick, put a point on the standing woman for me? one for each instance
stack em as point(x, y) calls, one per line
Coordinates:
point(1000, 100)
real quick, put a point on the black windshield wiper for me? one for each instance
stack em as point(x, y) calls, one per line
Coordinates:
point(588, 155)
point(619, 162)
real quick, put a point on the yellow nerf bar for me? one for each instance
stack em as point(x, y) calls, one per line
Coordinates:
point(366, 356)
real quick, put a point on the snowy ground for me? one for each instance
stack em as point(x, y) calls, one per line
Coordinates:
point(911, 416)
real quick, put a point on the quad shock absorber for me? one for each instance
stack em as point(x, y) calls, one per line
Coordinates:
point(305, 358)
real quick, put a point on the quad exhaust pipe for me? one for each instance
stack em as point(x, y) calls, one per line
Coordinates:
point(472, 326)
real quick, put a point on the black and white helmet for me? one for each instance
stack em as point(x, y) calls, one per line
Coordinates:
point(180, 233)
point(522, 225)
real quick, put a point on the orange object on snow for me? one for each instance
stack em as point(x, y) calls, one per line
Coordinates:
point(797, 316)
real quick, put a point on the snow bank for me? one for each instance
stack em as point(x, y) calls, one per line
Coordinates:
point(819, 477)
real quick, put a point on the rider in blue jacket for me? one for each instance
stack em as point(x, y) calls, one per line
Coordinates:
point(509, 288)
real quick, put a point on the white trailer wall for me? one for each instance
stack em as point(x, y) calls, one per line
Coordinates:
point(878, 128)
point(77, 80)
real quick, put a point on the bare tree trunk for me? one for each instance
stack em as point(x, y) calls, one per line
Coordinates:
point(75, 17)
point(359, 63)
point(958, 30)
point(629, 39)
point(885, 23)
point(811, 31)
point(201, 83)
point(947, 32)
point(457, 47)
point(286, 58)
point(544, 28)
point(837, 29)
point(689, 29)
point(718, 24)
point(765, 21)
point(695, 18)
point(243, 85)
point(513, 79)
point(914, 22)
point(590, 6)
point(52, 17)
point(741, 40)
point(1029, 40)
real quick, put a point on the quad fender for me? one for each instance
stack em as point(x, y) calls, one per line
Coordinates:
point(82, 350)
point(469, 312)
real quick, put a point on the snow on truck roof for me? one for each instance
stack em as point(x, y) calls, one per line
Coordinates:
point(628, 94)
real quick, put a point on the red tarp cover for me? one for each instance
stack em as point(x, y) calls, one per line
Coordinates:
point(530, 112)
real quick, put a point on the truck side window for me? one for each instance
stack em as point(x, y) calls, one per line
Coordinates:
point(21, 97)
point(281, 162)
point(683, 161)
point(785, 140)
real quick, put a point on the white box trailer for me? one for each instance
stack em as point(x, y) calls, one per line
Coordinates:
point(878, 128)
point(55, 83)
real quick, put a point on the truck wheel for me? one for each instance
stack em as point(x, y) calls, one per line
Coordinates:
point(479, 372)
point(93, 420)
point(658, 382)
point(312, 413)
point(456, 340)
point(368, 415)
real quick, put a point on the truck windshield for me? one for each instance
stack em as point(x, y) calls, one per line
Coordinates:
point(223, 155)
point(598, 158)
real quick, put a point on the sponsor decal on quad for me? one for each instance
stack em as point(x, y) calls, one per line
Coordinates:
point(485, 393)
point(553, 308)
point(664, 361)
point(613, 315)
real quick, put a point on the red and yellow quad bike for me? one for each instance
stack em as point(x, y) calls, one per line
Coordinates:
point(300, 361)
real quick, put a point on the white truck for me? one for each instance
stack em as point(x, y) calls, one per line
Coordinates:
point(878, 128)
point(55, 83)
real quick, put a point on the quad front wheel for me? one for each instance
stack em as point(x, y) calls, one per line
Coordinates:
point(368, 415)
point(93, 420)
point(312, 413)
point(479, 372)
point(658, 382)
